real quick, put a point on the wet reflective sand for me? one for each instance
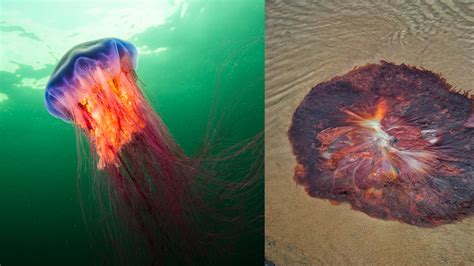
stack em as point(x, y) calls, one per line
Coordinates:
point(308, 43)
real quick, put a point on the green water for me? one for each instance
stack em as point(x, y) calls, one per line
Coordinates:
point(191, 56)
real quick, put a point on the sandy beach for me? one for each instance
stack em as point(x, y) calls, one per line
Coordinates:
point(308, 43)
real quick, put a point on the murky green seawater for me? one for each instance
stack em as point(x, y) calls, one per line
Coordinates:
point(191, 55)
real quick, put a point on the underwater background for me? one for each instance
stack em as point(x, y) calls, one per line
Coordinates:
point(191, 56)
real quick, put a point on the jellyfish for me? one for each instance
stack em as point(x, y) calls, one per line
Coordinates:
point(394, 141)
point(151, 181)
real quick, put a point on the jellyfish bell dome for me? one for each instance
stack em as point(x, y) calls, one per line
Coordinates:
point(392, 140)
point(111, 56)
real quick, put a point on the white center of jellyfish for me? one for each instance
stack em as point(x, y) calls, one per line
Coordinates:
point(416, 160)
point(381, 137)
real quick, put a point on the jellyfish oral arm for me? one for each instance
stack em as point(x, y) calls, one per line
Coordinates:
point(109, 112)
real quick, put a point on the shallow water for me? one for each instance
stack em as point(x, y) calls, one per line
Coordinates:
point(307, 43)
point(190, 57)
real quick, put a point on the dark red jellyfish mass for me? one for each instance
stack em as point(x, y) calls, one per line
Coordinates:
point(394, 141)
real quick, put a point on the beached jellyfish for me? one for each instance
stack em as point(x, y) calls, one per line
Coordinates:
point(150, 179)
point(394, 141)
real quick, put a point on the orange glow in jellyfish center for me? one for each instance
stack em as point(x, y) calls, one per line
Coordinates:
point(108, 111)
point(375, 151)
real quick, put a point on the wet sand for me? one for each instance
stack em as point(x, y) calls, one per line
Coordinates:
point(308, 43)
